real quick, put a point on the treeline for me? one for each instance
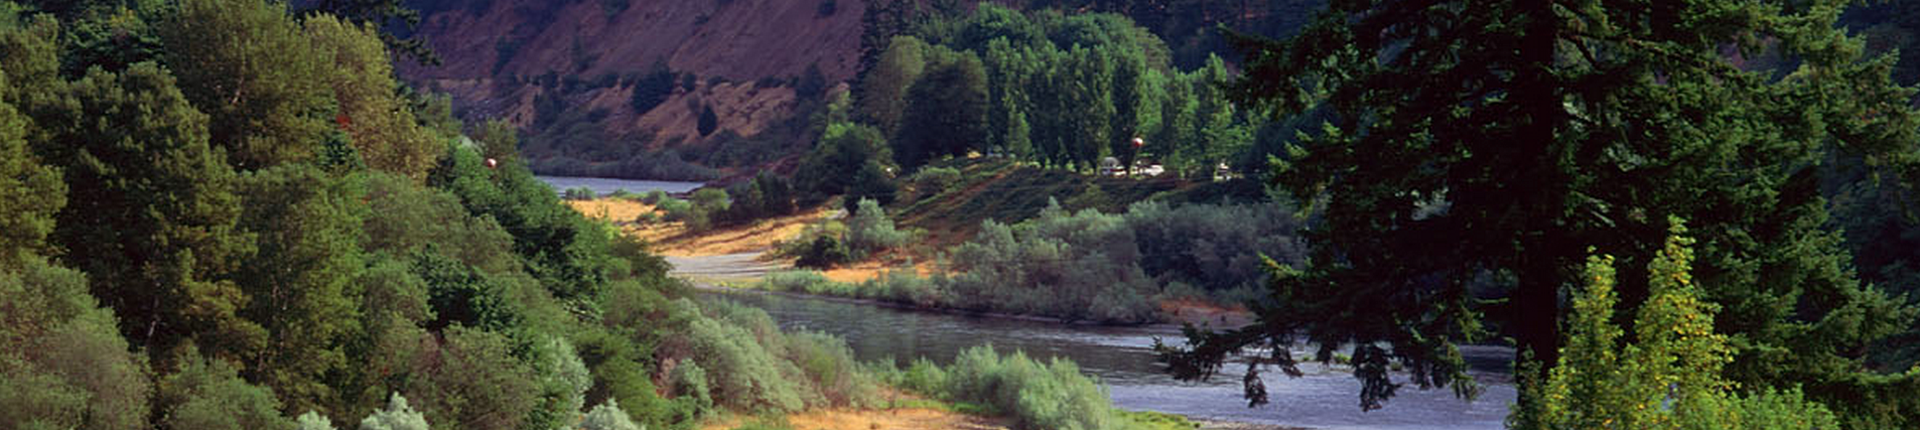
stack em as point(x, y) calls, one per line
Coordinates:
point(1062, 90)
point(220, 214)
point(1077, 266)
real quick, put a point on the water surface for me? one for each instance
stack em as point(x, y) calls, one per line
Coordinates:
point(605, 186)
point(1122, 357)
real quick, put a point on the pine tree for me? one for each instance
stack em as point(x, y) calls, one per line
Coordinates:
point(1542, 128)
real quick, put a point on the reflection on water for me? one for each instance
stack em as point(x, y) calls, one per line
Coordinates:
point(605, 186)
point(1122, 357)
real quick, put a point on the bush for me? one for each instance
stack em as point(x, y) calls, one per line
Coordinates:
point(1053, 395)
point(652, 89)
point(397, 416)
point(931, 181)
point(708, 121)
point(829, 365)
point(823, 252)
point(607, 416)
point(869, 231)
point(578, 193)
point(743, 374)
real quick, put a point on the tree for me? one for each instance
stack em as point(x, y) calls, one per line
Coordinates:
point(946, 113)
point(30, 192)
point(1539, 129)
point(843, 147)
point(247, 65)
point(383, 128)
point(499, 140)
point(155, 231)
point(469, 380)
point(64, 363)
point(379, 14)
point(301, 281)
point(883, 90)
point(708, 122)
point(209, 394)
point(1669, 376)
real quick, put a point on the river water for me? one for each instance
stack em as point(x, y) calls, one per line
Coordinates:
point(1122, 357)
point(605, 186)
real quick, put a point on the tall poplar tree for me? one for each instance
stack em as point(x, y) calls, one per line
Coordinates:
point(1499, 141)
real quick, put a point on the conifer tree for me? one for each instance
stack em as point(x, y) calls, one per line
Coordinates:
point(1540, 128)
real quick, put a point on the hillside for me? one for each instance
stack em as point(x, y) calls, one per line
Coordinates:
point(618, 87)
point(550, 67)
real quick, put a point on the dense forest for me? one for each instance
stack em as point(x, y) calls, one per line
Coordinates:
point(228, 215)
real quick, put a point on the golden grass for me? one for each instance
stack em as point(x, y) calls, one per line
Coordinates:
point(673, 239)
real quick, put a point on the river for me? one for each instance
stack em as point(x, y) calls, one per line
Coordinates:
point(1122, 357)
point(605, 186)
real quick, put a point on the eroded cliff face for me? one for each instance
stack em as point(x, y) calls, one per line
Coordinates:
point(501, 58)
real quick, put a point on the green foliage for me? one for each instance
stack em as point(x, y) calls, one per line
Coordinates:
point(64, 363)
point(608, 416)
point(883, 90)
point(766, 196)
point(384, 131)
point(301, 278)
point(396, 416)
point(734, 344)
point(469, 380)
point(931, 181)
point(869, 231)
point(1604, 124)
point(313, 421)
point(247, 65)
point(499, 140)
point(1669, 376)
point(560, 247)
point(388, 14)
point(1051, 395)
point(579, 193)
point(209, 394)
point(946, 113)
point(843, 147)
point(823, 252)
point(157, 230)
point(30, 192)
point(1076, 266)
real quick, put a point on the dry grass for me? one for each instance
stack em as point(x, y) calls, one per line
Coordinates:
point(673, 239)
point(1202, 313)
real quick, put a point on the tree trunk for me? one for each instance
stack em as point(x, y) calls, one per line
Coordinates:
point(1544, 242)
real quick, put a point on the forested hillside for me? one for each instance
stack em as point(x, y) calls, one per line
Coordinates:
point(676, 90)
point(226, 214)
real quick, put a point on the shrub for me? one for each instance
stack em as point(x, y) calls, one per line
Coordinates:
point(313, 421)
point(743, 374)
point(829, 365)
point(209, 394)
point(869, 231)
point(652, 89)
point(608, 416)
point(397, 416)
point(931, 181)
point(708, 121)
point(823, 252)
point(579, 193)
point(1053, 395)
